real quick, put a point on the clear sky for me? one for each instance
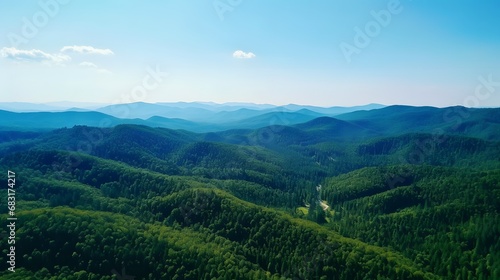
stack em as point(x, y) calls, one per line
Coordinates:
point(304, 52)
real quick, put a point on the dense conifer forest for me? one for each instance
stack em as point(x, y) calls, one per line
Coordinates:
point(393, 193)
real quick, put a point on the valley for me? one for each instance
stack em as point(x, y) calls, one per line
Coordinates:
point(391, 192)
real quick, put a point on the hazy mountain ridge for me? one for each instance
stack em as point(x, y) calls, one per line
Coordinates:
point(193, 116)
point(390, 120)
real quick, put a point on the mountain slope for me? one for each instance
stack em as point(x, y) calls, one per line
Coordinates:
point(326, 128)
point(335, 110)
point(49, 120)
point(172, 123)
point(433, 215)
point(394, 120)
point(105, 216)
point(144, 110)
point(274, 118)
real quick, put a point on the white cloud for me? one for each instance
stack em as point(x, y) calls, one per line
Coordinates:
point(86, 50)
point(33, 55)
point(242, 54)
point(88, 64)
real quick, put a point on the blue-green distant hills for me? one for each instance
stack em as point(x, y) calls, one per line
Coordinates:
point(482, 123)
point(319, 123)
point(197, 117)
point(52, 120)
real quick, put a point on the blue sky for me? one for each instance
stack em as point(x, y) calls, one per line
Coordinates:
point(278, 52)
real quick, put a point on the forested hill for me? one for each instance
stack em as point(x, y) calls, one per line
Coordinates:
point(101, 215)
point(483, 123)
point(363, 195)
point(354, 125)
point(446, 219)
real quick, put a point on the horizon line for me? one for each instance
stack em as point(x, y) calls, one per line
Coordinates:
point(234, 103)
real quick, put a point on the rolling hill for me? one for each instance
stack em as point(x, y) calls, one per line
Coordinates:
point(195, 230)
point(391, 193)
point(483, 123)
point(53, 120)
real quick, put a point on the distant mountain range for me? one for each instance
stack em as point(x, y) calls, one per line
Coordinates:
point(217, 113)
point(317, 123)
point(193, 116)
point(49, 107)
point(188, 110)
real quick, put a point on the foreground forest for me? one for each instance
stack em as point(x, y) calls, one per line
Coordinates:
point(394, 193)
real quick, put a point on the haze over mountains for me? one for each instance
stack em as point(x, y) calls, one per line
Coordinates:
point(364, 121)
point(163, 107)
point(195, 116)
